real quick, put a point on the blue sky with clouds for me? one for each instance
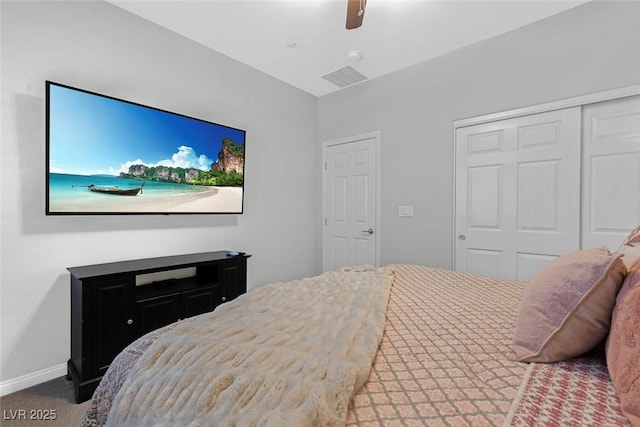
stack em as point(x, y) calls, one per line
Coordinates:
point(90, 134)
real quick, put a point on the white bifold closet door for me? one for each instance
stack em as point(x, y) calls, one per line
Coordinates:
point(517, 193)
point(611, 171)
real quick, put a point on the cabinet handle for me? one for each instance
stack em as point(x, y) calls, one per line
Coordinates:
point(224, 299)
point(130, 322)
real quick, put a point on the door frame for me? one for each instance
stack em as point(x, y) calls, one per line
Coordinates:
point(577, 101)
point(375, 135)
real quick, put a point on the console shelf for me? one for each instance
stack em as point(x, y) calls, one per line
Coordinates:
point(111, 306)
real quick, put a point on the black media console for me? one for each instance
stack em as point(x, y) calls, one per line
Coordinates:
point(111, 305)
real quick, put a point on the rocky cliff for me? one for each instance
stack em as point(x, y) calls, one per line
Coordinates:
point(161, 173)
point(230, 158)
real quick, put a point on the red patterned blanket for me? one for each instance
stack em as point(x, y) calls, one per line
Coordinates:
point(574, 393)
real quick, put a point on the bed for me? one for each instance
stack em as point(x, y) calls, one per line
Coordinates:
point(427, 346)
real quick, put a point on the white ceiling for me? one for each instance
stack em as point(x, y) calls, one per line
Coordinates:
point(299, 41)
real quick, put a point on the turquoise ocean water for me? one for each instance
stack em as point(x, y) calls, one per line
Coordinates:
point(64, 188)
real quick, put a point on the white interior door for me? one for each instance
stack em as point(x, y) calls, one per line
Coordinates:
point(611, 171)
point(350, 202)
point(517, 193)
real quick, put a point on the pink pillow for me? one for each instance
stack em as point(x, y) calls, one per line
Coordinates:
point(623, 346)
point(566, 306)
point(630, 248)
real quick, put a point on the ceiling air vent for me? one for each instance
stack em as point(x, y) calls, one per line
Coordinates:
point(344, 77)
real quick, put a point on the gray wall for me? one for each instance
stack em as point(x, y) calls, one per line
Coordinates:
point(591, 48)
point(97, 46)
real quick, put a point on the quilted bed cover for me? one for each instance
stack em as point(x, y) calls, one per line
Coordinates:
point(445, 359)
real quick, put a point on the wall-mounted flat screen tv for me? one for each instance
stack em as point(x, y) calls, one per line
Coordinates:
point(110, 156)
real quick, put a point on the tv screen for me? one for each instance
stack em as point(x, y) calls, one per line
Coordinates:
point(110, 156)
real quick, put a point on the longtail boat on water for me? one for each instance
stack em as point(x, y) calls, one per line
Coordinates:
point(115, 190)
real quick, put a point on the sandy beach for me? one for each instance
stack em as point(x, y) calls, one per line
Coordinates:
point(212, 199)
point(218, 199)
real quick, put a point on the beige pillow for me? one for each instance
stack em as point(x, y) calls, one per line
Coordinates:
point(623, 346)
point(630, 248)
point(566, 306)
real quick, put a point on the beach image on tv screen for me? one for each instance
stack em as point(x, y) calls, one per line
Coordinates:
point(108, 156)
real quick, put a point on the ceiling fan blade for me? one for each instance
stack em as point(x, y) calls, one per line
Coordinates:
point(355, 13)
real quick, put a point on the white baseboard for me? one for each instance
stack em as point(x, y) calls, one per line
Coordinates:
point(34, 378)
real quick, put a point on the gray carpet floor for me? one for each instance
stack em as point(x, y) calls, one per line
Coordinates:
point(53, 398)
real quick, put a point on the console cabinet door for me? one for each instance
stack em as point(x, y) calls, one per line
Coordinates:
point(156, 312)
point(200, 301)
point(112, 321)
point(233, 280)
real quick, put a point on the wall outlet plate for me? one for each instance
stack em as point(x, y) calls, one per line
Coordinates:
point(405, 210)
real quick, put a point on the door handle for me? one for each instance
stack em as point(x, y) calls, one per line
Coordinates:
point(370, 231)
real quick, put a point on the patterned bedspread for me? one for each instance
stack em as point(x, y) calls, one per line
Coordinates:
point(445, 360)
point(445, 353)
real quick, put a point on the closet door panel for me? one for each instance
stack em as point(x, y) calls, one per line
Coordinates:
point(483, 176)
point(614, 179)
point(485, 197)
point(528, 264)
point(484, 261)
point(517, 193)
point(611, 171)
point(538, 196)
